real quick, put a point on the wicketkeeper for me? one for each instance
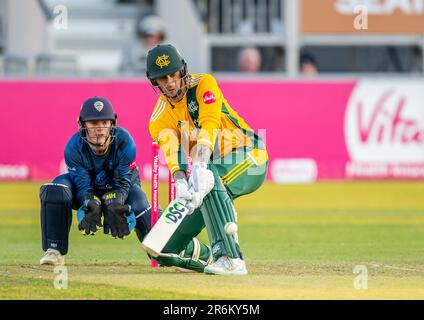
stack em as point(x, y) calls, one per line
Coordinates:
point(229, 159)
point(103, 185)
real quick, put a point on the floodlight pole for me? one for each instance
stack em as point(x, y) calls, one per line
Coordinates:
point(291, 15)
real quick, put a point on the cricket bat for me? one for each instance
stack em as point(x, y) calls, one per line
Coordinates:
point(164, 228)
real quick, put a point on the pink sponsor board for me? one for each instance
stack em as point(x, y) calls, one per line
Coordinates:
point(384, 130)
point(302, 120)
point(309, 127)
point(42, 117)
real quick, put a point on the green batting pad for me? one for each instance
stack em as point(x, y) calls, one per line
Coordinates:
point(217, 210)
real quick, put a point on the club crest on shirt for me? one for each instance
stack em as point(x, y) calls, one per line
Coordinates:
point(193, 106)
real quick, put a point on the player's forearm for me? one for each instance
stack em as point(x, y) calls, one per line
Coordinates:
point(169, 144)
point(208, 134)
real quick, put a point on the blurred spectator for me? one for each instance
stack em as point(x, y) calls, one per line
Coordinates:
point(150, 32)
point(273, 59)
point(308, 65)
point(416, 64)
point(249, 60)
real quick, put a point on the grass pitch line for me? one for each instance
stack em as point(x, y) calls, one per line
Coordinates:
point(377, 265)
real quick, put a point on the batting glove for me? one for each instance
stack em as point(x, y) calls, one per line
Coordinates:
point(201, 181)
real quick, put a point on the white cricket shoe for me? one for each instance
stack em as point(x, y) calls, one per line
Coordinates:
point(52, 257)
point(227, 266)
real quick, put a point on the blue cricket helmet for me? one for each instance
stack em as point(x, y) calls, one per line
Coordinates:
point(95, 109)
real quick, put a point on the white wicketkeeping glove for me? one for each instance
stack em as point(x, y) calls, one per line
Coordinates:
point(201, 181)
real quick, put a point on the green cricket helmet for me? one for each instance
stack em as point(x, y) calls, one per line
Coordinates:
point(162, 60)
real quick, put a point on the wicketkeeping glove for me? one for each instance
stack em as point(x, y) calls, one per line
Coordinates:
point(89, 215)
point(119, 219)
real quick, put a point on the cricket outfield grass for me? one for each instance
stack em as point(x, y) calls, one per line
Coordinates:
point(299, 242)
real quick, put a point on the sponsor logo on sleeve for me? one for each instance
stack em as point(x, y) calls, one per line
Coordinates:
point(133, 165)
point(209, 97)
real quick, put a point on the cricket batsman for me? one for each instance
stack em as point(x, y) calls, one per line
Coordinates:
point(192, 117)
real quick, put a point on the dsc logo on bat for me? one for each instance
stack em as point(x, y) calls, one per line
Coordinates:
point(175, 213)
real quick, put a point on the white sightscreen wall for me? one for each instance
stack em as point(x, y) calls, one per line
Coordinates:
point(26, 28)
